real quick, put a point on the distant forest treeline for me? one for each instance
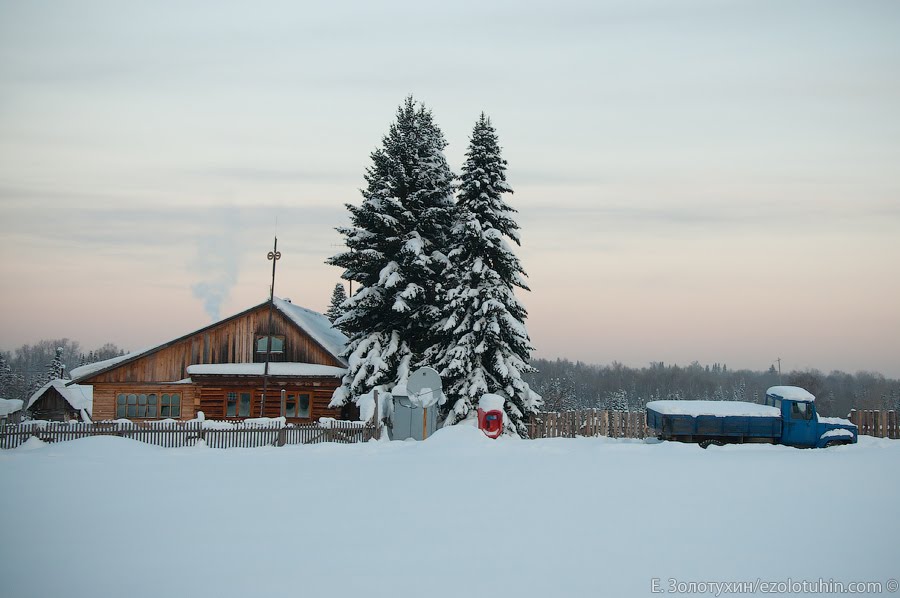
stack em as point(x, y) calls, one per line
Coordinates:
point(567, 385)
point(29, 367)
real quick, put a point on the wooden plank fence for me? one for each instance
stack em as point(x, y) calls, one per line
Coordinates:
point(883, 424)
point(189, 433)
point(589, 422)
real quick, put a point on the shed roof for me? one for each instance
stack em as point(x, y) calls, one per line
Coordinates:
point(8, 406)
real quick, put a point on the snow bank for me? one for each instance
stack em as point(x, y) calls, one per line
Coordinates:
point(791, 393)
point(31, 444)
point(714, 408)
point(530, 519)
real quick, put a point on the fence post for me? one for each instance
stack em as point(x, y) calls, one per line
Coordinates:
point(377, 427)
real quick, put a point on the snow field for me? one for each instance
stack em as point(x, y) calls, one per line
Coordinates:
point(457, 515)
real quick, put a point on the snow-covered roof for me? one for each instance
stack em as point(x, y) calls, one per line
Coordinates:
point(317, 326)
point(79, 396)
point(791, 393)
point(275, 369)
point(8, 406)
point(85, 371)
point(714, 408)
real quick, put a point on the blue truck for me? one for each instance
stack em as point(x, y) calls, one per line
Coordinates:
point(788, 417)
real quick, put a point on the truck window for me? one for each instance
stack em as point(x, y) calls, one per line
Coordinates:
point(777, 403)
point(800, 411)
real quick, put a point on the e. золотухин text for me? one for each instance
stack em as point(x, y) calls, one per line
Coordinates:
point(762, 586)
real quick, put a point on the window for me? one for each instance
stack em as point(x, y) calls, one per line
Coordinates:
point(137, 406)
point(237, 404)
point(170, 405)
point(296, 405)
point(800, 411)
point(277, 344)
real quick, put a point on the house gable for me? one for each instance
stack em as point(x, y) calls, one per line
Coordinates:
point(232, 340)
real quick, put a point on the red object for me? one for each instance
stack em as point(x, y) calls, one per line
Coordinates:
point(490, 422)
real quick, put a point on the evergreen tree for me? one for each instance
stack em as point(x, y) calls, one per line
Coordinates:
point(397, 253)
point(335, 311)
point(482, 345)
point(6, 378)
point(54, 368)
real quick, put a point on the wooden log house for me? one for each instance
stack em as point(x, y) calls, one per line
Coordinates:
point(219, 370)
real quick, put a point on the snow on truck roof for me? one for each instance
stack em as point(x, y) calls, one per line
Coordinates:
point(791, 393)
point(713, 408)
point(313, 323)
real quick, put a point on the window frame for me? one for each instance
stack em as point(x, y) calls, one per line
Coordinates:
point(277, 337)
point(146, 406)
point(295, 397)
point(235, 399)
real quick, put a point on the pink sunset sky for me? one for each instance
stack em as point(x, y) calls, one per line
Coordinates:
point(695, 181)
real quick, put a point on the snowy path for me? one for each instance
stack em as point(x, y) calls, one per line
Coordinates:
point(584, 517)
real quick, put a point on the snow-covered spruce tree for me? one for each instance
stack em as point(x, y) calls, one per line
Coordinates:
point(6, 378)
point(397, 253)
point(54, 368)
point(481, 344)
point(335, 311)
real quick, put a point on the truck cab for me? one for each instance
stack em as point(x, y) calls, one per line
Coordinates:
point(802, 426)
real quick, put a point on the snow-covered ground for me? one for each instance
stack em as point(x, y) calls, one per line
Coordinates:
point(457, 515)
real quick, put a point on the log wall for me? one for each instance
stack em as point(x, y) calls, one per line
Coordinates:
point(105, 397)
point(211, 396)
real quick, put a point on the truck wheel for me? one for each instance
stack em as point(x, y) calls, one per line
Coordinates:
point(831, 443)
point(707, 443)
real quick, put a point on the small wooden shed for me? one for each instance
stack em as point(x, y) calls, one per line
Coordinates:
point(60, 400)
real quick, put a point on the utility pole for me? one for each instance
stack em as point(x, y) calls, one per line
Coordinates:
point(778, 360)
point(273, 256)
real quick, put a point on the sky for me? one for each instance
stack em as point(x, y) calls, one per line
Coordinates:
point(715, 181)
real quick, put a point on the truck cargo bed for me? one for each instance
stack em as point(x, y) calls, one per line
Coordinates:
point(687, 426)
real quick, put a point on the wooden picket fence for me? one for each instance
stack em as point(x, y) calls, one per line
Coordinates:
point(189, 433)
point(883, 424)
point(589, 422)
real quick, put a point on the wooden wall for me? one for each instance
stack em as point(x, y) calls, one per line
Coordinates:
point(105, 397)
point(52, 406)
point(211, 396)
point(229, 341)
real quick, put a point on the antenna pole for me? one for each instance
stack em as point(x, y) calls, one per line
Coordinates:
point(274, 256)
